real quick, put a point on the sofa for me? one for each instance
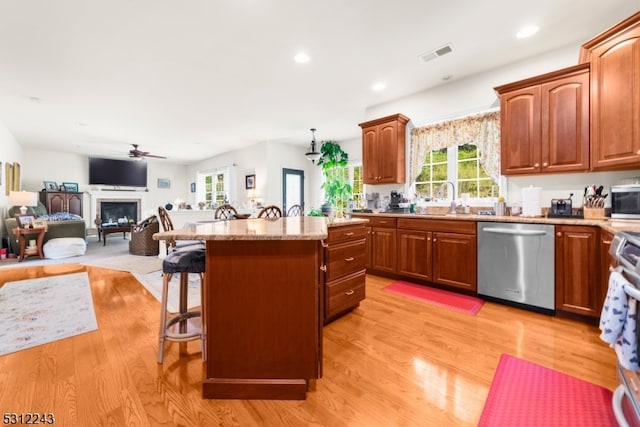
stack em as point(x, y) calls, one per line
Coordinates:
point(61, 224)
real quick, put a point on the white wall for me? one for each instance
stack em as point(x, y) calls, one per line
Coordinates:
point(265, 160)
point(43, 165)
point(475, 94)
point(10, 152)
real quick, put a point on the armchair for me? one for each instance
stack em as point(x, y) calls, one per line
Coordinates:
point(142, 242)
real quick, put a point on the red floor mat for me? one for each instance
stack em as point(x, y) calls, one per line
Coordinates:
point(463, 303)
point(525, 394)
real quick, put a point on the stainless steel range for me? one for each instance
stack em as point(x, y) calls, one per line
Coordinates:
point(625, 247)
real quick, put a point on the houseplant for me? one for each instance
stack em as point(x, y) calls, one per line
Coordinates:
point(337, 189)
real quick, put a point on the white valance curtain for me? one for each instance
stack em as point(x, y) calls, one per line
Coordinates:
point(482, 130)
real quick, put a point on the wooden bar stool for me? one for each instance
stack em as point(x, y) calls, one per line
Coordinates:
point(190, 259)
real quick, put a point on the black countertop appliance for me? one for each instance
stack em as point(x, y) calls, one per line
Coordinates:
point(394, 203)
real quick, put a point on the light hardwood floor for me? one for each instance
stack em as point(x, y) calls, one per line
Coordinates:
point(391, 362)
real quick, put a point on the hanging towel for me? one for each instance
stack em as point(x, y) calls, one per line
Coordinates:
point(614, 310)
point(627, 343)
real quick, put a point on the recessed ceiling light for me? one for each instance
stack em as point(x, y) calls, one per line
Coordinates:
point(527, 31)
point(447, 77)
point(378, 86)
point(301, 58)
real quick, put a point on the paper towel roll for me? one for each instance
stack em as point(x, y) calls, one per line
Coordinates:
point(531, 201)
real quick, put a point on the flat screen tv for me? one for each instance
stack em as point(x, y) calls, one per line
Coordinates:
point(125, 173)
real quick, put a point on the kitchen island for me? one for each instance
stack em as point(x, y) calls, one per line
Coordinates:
point(263, 305)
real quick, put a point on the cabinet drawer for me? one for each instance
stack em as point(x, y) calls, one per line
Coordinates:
point(346, 232)
point(384, 221)
point(346, 259)
point(428, 224)
point(345, 293)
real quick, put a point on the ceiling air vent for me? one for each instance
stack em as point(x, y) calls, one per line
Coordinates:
point(433, 54)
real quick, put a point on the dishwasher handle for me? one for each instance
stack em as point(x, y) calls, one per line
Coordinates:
point(514, 231)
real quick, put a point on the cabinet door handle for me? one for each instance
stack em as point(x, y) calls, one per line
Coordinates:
point(558, 234)
point(545, 164)
point(349, 292)
point(383, 222)
point(349, 234)
point(537, 165)
point(435, 240)
point(323, 268)
point(349, 259)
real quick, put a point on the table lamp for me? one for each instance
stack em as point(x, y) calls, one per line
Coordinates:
point(23, 199)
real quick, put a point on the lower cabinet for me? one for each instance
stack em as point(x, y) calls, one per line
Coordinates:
point(578, 284)
point(438, 251)
point(607, 261)
point(415, 250)
point(455, 260)
point(345, 262)
point(383, 244)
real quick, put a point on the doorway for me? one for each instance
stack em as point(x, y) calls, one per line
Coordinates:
point(292, 189)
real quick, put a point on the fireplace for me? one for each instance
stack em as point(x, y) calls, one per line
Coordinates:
point(112, 210)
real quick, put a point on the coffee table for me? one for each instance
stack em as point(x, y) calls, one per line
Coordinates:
point(103, 231)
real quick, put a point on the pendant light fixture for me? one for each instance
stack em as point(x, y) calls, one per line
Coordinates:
point(312, 154)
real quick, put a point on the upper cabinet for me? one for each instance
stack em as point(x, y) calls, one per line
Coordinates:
point(544, 123)
point(383, 150)
point(615, 96)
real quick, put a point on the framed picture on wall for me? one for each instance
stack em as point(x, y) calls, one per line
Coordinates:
point(250, 182)
point(193, 187)
point(8, 175)
point(164, 183)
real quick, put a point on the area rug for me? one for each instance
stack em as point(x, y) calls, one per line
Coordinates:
point(525, 394)
point(153, 283)
point(43, 310)
point(115, 255)
point(462, 303)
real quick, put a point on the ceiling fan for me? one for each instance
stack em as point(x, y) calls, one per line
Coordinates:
point(138, 154)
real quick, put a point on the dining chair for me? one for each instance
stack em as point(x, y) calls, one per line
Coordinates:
point(295, 210)
point(271, 211)
point(167, 225)
point(225, 211)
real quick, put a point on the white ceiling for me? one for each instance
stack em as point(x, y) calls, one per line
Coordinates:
point(194, 78)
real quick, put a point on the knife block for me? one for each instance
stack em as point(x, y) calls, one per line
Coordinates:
point(593, 213)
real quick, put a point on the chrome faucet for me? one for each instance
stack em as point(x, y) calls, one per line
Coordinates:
point(453, 195)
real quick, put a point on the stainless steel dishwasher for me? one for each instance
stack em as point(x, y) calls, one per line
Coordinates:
point(516, 263)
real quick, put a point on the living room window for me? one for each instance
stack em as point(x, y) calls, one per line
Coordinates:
point(216, 187)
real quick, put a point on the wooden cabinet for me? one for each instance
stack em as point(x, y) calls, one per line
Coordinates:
point(615, 96)
point(544, 123)
point(578, 288)
point(606, 261)
point(455, 260)
point(62, 201)
point(383, 244)
point(345, 259)
point(415, 250)
point(438, 251)
point(383, 150)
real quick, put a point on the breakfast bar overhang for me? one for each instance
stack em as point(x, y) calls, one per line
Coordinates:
point(262, 308)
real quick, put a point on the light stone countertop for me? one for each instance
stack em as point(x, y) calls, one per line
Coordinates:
point(292, 228)
point(607, 224)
